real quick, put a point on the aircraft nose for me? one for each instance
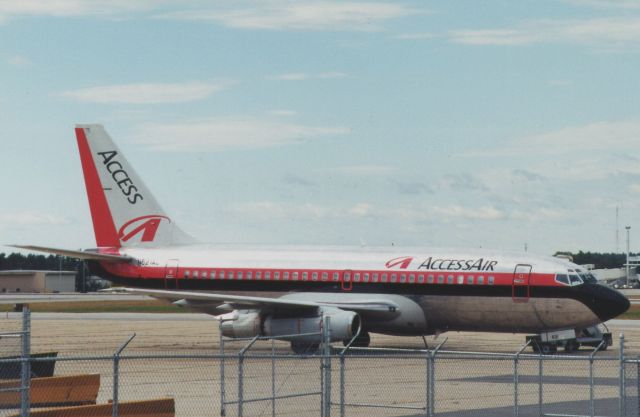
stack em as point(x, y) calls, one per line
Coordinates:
point(609, 303)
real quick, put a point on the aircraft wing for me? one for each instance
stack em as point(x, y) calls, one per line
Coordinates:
point(240, 302)
point(92, 256)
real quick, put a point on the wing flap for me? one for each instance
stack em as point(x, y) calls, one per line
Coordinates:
point(241, 302)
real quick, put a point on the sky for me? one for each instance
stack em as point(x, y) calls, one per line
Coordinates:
point(493, 124)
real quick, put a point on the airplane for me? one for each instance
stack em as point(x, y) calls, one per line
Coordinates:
point(277, 290)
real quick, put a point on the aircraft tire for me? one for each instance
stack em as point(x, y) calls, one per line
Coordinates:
point(548, 349)
point(571, 346)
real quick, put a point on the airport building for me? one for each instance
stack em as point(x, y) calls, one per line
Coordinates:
point(37, 281)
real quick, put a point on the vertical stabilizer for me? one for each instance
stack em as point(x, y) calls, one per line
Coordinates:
point(123, 211)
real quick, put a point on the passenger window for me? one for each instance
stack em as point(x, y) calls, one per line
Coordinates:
point(460, 279)
point(336, 276)
point(249, 275)
point(403, 278)
point(491, 279)
point(276, 275)
point(430, 279)
point(239, 275)
point(258, 275)
point(440, 279)
point(412, 278)
point(366, 277)
point(384, 277)
point(375, 277)
point(314, 276)
point(212, 275)
point(449, 279)
point(325, 276)
point(221, 274)
point(562, 279)
point(230, 274)
point(195, 274)
point(480, 280)
point(305, 276)
point(470, 280)
point(347, 277)
point(421, 279)
point(267, 275)
point(186, 273)
point(286, 275)
point(356, 277)
point(394, 278)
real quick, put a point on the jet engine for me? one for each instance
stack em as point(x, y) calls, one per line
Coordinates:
point(248, 323)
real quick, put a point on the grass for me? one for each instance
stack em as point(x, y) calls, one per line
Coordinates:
point(139, 306)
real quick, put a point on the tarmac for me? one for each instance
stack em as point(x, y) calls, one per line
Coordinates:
point(464, 386)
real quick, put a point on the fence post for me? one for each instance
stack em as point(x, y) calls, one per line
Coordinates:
point(326, 368)
point(431, 412)
point(222, 361)
point(25, 403)
point(516, 408)
point(540, 382)
point(342, 384)
point(116, 375)
point(622, 402)
point(273, 377)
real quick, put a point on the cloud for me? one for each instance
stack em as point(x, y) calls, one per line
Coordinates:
point(302, 76)
point(225, 134)
point(415, 36)
point(604, 136)
point(607, 33)
point(607, 4)
point(302, 16)
point(283, 112)
point(292, 179)
point(362, 169)
point(64, 8)
point(464, 182)
point(475, 213)
point(19, 61)
point(411, 187)
point(523, 175)
point(30, 219)
point(147, 93)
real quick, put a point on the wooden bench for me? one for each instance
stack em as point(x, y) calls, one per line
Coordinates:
point(53, 391)
point(163, 407)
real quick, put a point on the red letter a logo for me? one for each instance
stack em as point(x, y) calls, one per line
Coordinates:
point(147, 225)
point(402, 262)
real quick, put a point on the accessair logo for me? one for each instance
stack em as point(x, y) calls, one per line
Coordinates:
point(402, 262)
point(145, 225)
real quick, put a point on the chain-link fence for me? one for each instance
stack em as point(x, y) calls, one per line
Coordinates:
point(258, 377)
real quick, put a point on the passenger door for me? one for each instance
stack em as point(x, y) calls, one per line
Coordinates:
point(520, 284)
point(171, 274)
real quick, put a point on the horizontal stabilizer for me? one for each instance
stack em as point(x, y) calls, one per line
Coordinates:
point(91, 256)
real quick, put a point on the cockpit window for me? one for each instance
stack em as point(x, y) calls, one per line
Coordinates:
point(575, 279)
point(562, 279)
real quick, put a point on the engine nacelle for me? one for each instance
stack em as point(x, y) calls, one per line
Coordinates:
point(245, 324)
point(343, 325)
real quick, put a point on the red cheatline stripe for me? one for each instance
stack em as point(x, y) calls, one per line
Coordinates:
point(103, 226)
point(233, 274)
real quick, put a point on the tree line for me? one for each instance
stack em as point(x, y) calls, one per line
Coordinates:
point(18, 261)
